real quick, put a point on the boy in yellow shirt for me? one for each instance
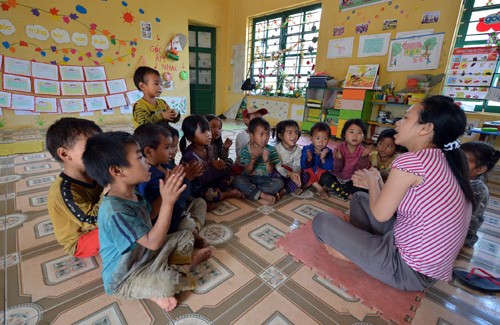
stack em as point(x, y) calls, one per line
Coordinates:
point(150, 109)
point(73, 197)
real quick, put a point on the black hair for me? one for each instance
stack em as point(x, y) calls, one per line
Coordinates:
point(258, 121)
point(281, 128)
point(484, 154)
point(209, 118)
point(449, 123)
point(355, 121)
point(173, 131)
point(104, 151)
point(148, 135)
point(321, 126)
point(141, 72)
point(389, 133)
point(65, 132)
point(189, 127)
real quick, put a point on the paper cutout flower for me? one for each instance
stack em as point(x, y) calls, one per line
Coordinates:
point(5, 7)
point(65, 51)
point(73, 16)
point(38, 49)
point(12, 49)
point(35, 12)
point(99, 54)
point(80, 9)
point(53, 48)
point(23, 43)
point(65, 58)
point(54, 11)
point(43, 53)
point(6, 44)
point(53, 62)
point(73, 51)
point(66, 19)
point(93, 26)
point(12, 3)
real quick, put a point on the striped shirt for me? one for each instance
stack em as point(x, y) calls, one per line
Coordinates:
point(433, 218)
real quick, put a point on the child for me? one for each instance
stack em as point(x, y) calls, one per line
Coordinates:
point(243, 138)
point(216, 176)
point(259, 160)
point(156, 146)
point(317, 158)
point(150, 109)
point(482, 158)
point(290, 154)
point(349, 156)
point(140, 261)
point(73, 199)
point(220, 149)
point(383, 157)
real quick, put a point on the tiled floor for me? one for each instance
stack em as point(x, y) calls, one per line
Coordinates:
point(247, 281)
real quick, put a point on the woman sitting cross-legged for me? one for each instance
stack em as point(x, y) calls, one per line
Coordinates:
point(408, 231)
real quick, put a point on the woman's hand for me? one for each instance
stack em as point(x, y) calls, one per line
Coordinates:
point(363, 177)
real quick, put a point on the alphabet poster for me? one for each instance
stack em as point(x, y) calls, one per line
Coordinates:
point(415, 53)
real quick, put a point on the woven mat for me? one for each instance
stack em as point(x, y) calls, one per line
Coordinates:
point(393, 305)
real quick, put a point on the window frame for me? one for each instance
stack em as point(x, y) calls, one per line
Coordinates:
point(284, 35)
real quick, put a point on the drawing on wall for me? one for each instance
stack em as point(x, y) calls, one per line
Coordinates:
point(350, 4)
point(361, 28)
point(340, 48)
point(338, 31)
point(177, 103)
point(146, 30)
point(361, 76)
point(415, 53)
point(430, 17)
point(390, 24)
point(373, 45)
point(277, 110)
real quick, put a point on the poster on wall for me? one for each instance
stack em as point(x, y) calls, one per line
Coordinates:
point(351, 4)
point(146, 30)
point(72, 105)
point(69, 88)
point(94, 73)
point(177, 103)
point(361, 76)
point(44, 71)
point(117, 86)
point(16, 83)
point(373, 45)
point(45, 105)
point(133, 95)
point(23, 102)
point(96, 88)
point(116, 100)
point(415, 53)
point(17, 66)
point(340, 48)
point(47, 87)
point(69, 73)
point(5, 99)
point(95, 103)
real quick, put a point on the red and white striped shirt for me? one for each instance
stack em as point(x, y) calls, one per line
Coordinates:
point(433, 218)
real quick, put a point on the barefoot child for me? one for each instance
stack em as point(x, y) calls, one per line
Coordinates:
point(74, 196)
point(482, 158)
point(156, 146)
point(140, 261)
point(289, 152)
point(259, 159)
point(317, 158)
point(220, 149)
point(216, 175)
point(385, 154)
point(349, 156)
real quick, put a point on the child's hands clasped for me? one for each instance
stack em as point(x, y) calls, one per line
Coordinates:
point(171, 188)
point(362, 177)
point(265, 155)
point(193, 169)
point(255, 152)
point(228, 143)
point(169, 115)
point(337, 154)
point(219, 164)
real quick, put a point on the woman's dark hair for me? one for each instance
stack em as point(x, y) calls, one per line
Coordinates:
point(355, 121)
point(189, 127)
point(449, 123)
point(148, 135)
point(484, 154)
point(173, 131)
point(104, 151)
point(258, 121)
point(321, 126)
point(218, 142)
point(281, 128)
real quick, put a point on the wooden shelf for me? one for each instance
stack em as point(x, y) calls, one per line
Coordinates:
point(381, 124)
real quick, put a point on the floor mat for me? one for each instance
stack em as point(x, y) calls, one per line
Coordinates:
point(394, 305)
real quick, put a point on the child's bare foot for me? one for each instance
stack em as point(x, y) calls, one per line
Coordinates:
point(298, 191)
point(322, 194)
point(231, 193)
point(333, 252)
point(167, 304)
point(268, 198)
point(282, 193)
point(199, 242)
point(200, 255)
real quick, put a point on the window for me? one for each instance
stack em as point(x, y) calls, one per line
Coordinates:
point(469, 36)
point(283, 50)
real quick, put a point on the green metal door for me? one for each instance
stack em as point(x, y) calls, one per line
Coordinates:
point(202, 69)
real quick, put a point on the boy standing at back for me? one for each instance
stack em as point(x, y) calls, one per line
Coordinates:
point(140, 261)
point(74, 196)
point(150, 109)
